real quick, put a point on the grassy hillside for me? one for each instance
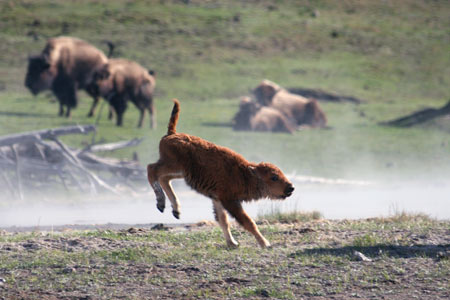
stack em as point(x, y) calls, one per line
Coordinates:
point(394, 55)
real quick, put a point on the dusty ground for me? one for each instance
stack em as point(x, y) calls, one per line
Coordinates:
point(396, 258)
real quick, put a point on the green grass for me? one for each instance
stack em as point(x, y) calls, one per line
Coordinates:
point(356, 147)
point(290, 217)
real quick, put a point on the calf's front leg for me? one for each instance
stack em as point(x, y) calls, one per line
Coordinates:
point(167, 187)
point(153, 180)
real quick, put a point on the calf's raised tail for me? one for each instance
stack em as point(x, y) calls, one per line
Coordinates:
point(172, 127)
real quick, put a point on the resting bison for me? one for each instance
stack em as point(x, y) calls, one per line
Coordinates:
point(252, 116)
point(121, 80)
point(65, 65)
point(303, 111)
point(216, 172)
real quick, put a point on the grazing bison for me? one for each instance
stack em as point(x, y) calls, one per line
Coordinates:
point(65, 65)
point(216, 172)
point(121, 80)
point(252, 116)
point(304, 111)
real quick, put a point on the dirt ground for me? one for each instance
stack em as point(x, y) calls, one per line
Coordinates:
point(320, 259)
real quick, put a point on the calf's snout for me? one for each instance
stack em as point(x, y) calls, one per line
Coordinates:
point(289, 189)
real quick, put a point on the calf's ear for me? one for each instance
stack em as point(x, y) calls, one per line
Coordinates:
point(253, 169)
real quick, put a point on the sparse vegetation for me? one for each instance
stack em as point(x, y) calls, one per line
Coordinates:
point(289, 217)
point(308, 259)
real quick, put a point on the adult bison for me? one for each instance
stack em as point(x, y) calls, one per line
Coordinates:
point(304, 111)
point(121, 80)
point(255, 117)
point(65, 65)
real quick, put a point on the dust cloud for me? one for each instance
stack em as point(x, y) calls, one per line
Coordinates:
point(334, 199)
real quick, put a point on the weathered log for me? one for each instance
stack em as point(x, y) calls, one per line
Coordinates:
point(113, 146)
point(94, 179)
point(110, 164)
point(419, 116)
point(34, 136)
point(323, 96)
point(19, 178)
point(9, 185)
point(35, 161)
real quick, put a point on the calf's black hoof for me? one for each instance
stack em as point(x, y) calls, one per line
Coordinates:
point(160, 207)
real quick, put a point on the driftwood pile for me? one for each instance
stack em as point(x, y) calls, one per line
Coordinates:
point(38, 162)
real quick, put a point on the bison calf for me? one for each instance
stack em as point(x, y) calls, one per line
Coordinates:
point(121, 80)
point(216, 172)
point(65, 65)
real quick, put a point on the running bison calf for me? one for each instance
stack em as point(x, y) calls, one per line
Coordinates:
point(65, 65)
point(121, 80)
point(216, 172)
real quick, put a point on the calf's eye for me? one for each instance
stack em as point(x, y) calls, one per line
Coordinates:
point(274, 178)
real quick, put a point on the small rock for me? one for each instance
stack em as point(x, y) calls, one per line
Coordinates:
point(205, 223)
point(160, 226)
point(264, 293)
point(132, 230)
point(441, 255)
point(31, 246)
point(2, 281)
point(361, 257)
point(334, 34)
point(191, 269)
point(306, 230)
point(68, 270)
point(73, 242)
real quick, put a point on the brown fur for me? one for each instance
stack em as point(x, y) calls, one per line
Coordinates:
point(304, 111)
point(121, 80)
point(271, 119)
point(216, 172)
point(64, 65)
point(252, 116)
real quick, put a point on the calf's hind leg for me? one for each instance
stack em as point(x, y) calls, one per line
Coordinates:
point(222, 219)
point(236, 210)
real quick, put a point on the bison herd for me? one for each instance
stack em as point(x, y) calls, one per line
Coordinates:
point(67, 64)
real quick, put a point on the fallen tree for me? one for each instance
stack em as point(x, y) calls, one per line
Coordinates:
point(323, 96)
point(39, 162)
point(419, 116)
